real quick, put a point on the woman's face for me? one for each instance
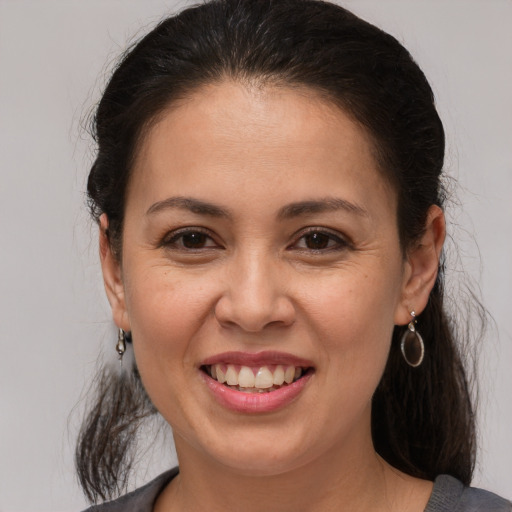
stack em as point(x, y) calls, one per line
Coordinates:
point(260, 240)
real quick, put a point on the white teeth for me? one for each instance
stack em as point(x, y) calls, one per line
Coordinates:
point(289, 374)
point(246, 390)
point(246, 377)
point(264, 378)
point(278, 376)
point(231, 376)
point(221, 376)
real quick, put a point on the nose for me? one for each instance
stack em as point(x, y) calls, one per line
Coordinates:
point(256, 296)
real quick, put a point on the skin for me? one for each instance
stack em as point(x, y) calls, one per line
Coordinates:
point(254, 283)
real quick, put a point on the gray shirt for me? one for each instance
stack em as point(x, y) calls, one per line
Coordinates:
point(448, 495)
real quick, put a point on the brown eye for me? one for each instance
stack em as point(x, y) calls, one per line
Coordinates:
point(189, 239)
point(320, 241)
point(317, 241)
point(194, 240)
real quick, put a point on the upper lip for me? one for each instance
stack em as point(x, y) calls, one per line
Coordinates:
point(257, 359)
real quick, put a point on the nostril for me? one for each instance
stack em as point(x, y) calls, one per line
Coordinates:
point(253, 315)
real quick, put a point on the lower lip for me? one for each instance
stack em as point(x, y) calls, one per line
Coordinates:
point(255, 402)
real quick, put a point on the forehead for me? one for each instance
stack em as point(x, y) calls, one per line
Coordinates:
point(273, 116)
point(269, 136)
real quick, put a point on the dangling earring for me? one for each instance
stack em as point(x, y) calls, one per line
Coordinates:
point(121, 345)
point(412, 345)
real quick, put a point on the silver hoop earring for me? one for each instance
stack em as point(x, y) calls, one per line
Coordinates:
point(121, 344)
point(412, 346)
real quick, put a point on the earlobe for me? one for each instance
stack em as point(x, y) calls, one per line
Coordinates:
point(422, 266)
point(112, 277)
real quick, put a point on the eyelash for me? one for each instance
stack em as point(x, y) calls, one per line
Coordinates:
point(335, 242)
point(172, 239)
point(340, 243)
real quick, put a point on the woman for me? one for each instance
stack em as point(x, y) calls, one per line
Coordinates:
point(267, 187)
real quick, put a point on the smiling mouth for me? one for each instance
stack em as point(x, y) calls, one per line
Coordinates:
point(250, 379)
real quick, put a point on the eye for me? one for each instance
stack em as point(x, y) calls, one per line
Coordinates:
point(320, 240)
point(189, 239)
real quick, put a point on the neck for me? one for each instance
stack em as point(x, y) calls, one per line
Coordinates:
point(351, 477)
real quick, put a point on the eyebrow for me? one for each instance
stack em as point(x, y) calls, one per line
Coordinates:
point(327, 204)
point(190, 204)
point(288, 211)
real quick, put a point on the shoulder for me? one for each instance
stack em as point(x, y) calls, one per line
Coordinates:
point(451, 495)
point(139, 500)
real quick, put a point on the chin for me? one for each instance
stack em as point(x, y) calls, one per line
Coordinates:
point(259, 454)
point(252, 464)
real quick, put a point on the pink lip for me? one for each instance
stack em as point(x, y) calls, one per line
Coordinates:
point(257, 359)
point(255, 402)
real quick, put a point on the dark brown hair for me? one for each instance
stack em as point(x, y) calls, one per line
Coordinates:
point(422, 418)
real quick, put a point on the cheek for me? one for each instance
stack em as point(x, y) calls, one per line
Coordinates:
point(168, 313)
point(165, 312)
point(357, 300)
point(353, 319)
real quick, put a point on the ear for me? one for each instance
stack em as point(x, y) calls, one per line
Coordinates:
point(421, 267)
point(112, 278)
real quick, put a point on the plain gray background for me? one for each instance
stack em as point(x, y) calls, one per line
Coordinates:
point(54, 319)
